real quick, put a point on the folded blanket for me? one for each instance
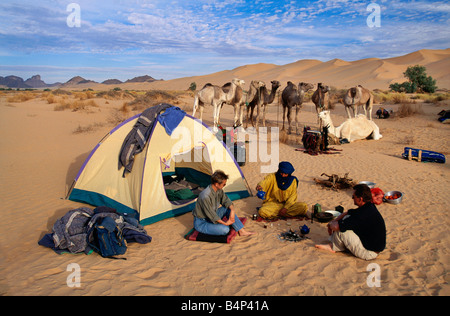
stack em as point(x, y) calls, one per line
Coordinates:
point(194, 235)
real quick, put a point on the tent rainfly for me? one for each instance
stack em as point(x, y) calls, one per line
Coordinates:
point(189, 150)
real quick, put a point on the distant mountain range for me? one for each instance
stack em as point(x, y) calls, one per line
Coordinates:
point(36, 82)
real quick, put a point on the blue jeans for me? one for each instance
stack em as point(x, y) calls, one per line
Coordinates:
point(205, 226)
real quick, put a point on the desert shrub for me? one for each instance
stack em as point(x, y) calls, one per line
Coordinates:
point(74, 105)
point(115, 94)
point(61, 92)
point(406, 110)
point(151, 98)
point(417, 81)
point(21, 97)
point(87, 129)
point(51, 99)
point(193, 86)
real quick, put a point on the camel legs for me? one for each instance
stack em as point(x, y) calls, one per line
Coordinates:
point(284, 116)
point(258, 110)
point(347, 109)
point(355, 110)
point(297, 109)
point(196, 102)
point(369, 106)
point(241, 120)
point(236, 115)
point(216, 115)
point(201, 113)
point(289, 120)
point(264, 116)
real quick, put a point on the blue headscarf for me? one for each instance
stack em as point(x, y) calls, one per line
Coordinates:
point(285, 183)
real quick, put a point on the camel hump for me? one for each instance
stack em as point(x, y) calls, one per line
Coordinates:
point(226, 87)
point(207, 85)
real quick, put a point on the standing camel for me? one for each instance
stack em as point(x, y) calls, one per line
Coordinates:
point(320, 98)
point(261, 100)
point(293, 96)
point(237, 102)
point(216, 96)
point(253, 95)
point(358, 96)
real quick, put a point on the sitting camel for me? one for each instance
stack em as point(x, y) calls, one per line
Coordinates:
point(293, 97)
point(352, 129)
point(358, 96)
point(261, 100)
point(216, 96)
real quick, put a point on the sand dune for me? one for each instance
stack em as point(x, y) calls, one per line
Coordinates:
point(373, 73)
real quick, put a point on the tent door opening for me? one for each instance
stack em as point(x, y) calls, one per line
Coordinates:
point(186, 175)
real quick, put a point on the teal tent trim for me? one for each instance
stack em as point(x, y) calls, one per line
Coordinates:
point(97, 199)
point(168, 214)
point(188, 208)
point(238, 195)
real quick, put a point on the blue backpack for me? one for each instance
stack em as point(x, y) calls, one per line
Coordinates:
point(108, 239)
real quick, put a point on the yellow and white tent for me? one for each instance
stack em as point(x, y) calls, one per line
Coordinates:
point(192, 151)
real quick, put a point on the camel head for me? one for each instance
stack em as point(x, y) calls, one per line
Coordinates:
point(238, 82)
point(257, 84)
point(305, 87)
point(324, 115)
point(275, 84)
point(323, 88)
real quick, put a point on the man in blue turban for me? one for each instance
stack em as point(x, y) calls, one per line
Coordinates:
point(281, 194)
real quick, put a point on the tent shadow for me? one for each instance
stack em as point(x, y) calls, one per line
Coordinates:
point(73, 170)
point(187, 220)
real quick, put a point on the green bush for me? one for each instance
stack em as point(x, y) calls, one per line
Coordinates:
point(417, 81)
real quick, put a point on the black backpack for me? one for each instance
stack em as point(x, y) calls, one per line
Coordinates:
point(108, 239)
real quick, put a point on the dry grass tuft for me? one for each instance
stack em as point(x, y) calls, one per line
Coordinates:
point(407, 140)
point(74, 105)
point(151, 98)
point(88, 129)
point(21, 97)
point(407, 110)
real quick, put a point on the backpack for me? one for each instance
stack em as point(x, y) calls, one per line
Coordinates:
point(108, 239)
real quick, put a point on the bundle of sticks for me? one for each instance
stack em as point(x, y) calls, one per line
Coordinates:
point(336, 182)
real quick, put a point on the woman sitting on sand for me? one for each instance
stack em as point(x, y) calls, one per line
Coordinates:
point(281, 194)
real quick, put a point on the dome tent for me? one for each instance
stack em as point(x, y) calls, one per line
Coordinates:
point(192, 152)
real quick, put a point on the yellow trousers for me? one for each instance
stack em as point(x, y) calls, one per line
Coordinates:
point(270, 209)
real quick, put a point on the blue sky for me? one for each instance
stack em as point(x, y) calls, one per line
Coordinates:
point(170, 39)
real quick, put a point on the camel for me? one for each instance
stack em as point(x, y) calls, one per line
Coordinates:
point(358, 96)
point(237, 102)
point(352, 129)
point(216, 96)
point(261, 100)
point(320, 98)
point(246, 98)
point(293, 96)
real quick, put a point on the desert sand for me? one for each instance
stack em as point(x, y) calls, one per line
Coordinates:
point(42, 152)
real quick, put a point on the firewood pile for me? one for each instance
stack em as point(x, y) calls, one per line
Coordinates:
point(335, 182)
